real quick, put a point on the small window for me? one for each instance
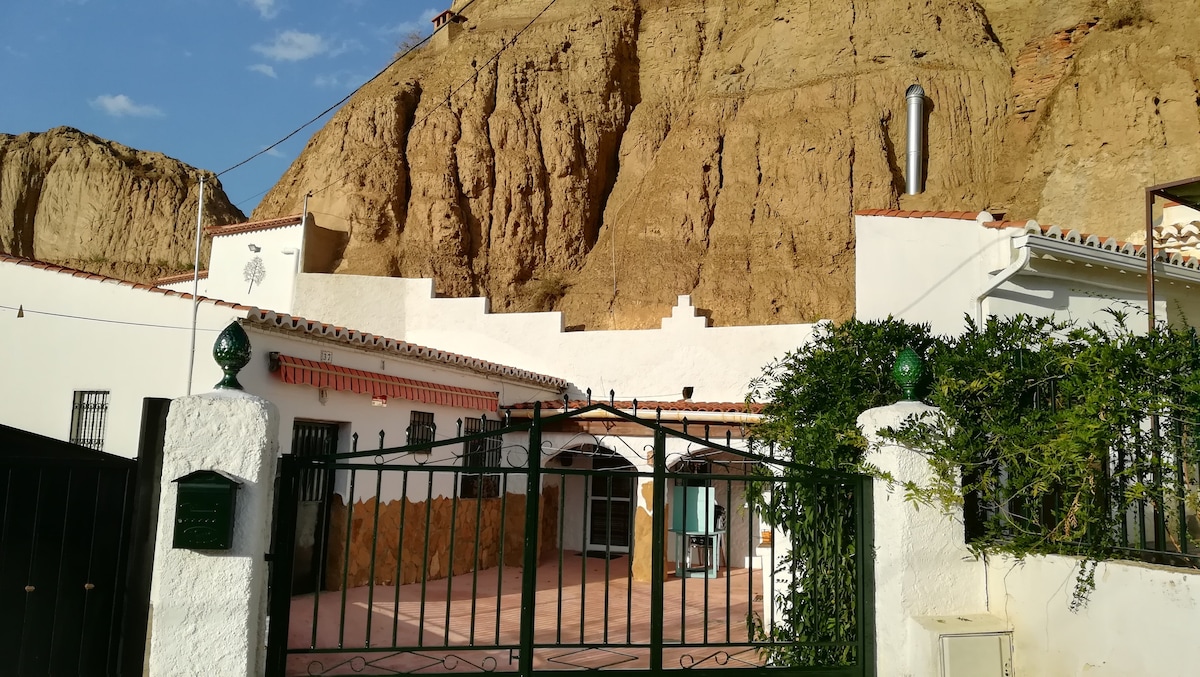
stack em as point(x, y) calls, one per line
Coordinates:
point(484, 453)
point(89, 413)
point(421, 428)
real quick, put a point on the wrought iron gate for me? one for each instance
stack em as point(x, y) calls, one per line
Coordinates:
point(74, 568)
point(456, 563)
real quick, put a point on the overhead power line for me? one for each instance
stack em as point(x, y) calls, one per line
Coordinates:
point(343, 100)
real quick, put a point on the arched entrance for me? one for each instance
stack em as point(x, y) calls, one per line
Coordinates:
point(611, 502)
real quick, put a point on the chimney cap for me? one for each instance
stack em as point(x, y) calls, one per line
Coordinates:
point(914, 91)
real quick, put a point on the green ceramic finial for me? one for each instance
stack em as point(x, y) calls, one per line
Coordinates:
point(907, 372)
point(232, 352)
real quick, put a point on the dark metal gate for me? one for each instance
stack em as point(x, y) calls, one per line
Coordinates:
point(74, 586)
point(728, 558)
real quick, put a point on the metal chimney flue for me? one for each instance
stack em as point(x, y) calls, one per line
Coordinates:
point(915, 159)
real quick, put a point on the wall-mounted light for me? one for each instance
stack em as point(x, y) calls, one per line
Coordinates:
point(254, 248)
point(687, 392)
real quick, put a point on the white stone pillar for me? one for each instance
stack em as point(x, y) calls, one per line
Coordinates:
point(922, 565)
point(209, 607)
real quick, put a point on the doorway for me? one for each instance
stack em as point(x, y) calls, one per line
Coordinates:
point(315, 488)
point(610, 508)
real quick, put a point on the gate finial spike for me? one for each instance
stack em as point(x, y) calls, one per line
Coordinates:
point(381, 438)
point(658, 415)
point(612, 398)
point(589, 397)
point(635, 406)
point(354, 442)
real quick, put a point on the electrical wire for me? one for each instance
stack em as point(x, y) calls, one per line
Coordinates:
point(343, 100)
point(507, 43)
point(100, 319)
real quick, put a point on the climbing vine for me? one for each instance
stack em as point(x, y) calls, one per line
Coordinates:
point(1053, 437)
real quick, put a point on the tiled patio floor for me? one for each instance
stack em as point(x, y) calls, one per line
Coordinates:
point(470, 622)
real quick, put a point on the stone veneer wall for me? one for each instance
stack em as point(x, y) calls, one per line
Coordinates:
point(437, 560)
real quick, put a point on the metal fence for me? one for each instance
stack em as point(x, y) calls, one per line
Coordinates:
point(564, 569)
point(1144, 489)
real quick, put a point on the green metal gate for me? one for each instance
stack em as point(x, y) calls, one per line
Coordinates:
point(486, 561)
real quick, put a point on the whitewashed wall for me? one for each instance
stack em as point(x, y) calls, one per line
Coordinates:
point(1138, 621)
point(103, 336)
point(356, 414)
point(924, 269)
point(718, 362)
point(231, 254)
point(934, 269)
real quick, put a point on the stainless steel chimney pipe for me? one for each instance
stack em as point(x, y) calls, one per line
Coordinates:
point(915, 165)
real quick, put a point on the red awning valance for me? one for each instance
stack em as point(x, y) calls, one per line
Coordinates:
point(324, 375)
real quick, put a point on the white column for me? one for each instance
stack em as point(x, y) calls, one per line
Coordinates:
point(209, 607)
point(922, 565)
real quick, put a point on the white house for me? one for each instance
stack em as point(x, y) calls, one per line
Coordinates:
point(939, 267)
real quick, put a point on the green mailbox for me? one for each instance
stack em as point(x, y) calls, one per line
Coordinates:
point(204, 510)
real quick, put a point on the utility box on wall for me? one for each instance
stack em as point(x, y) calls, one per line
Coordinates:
point(970, 645)
point(204, 510)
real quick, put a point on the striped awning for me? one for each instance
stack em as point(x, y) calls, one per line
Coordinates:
point(324, 375)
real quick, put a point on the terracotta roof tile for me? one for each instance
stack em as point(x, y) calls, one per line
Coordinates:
point(965, 216)
point(181, 277)
point(41, 265)
point(650, 405)
point(1068, 235)
point(234, 228)
point(291, 323)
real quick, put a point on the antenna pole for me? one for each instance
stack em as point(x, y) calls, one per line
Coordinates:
point(196, 284)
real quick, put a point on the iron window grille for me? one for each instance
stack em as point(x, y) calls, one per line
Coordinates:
point(421, 429)
point(89, 413)
point(484, 453)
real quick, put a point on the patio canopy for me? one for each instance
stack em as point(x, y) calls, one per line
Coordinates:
point(324, 375)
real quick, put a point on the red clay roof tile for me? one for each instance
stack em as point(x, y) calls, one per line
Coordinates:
point(42, 265)
point(651, 405)
point(248, 226)
point(181, 277)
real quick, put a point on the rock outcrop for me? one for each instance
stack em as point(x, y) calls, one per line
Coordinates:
point(625, 151)
point(76, 200)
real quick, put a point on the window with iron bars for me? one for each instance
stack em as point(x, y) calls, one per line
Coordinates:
point(421, 428)
point(484, 453)
point(89, 413)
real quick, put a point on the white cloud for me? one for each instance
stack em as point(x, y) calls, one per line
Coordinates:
point(421, 25)
point(339, 80)
point(15, 52)
point(121, 105)
point(267, 9)
point(293, 46)
point(346, 46)
point(264, 69)
point(274, 152)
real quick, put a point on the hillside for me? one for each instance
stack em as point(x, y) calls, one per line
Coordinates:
point(76, 200)
point(660, 147)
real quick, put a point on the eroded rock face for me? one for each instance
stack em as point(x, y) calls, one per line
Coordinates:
point(626, 151)
point(73, 199)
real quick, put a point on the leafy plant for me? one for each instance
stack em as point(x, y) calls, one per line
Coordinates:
point(1053, 437)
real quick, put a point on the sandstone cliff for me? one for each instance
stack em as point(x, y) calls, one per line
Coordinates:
point(625, 151)
point(70, 198)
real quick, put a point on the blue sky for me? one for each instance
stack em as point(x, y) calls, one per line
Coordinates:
point(206, 81)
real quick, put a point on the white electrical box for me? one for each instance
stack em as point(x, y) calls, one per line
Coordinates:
point(987, 655)
point(968, 645)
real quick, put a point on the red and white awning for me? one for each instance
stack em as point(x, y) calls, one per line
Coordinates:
point(324, 375)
